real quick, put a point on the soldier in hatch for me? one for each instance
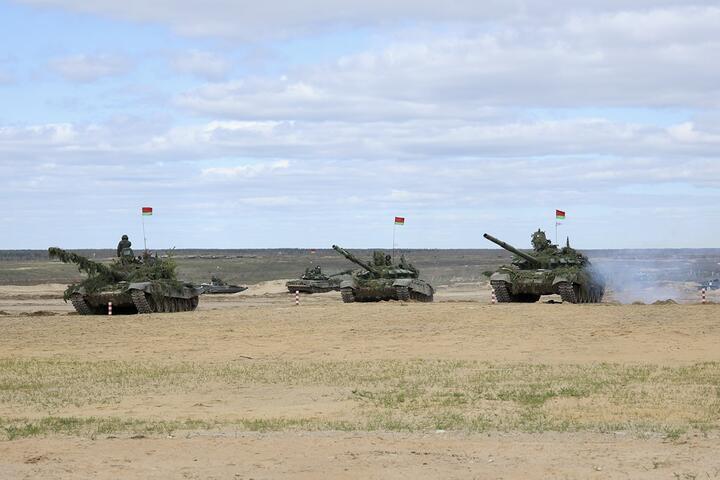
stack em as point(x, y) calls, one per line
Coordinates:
point(123, 244)
point(540, 242)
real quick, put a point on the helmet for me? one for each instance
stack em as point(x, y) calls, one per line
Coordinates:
point(124, 237)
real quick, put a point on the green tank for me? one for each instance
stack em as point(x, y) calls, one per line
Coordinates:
point(144, 284)
point(315, 281)
point(380, 279)
point(548, 270)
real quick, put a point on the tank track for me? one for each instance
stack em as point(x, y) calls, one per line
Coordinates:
point(567, 292)
point(570, 294)
point(421, 297)
point(141, 302)
point(347, 295)
point(502, 294)
point(81, 307)
point(145, 304)
point(403, 293)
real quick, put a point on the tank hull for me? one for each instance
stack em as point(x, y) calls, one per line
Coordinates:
point(211, 289)
point(312, 286)
point(378, 290)
point(573, 285)
point(134, 298)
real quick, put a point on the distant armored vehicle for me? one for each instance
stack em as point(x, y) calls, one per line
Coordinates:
point(217, 285)
point(548, 270)
point(381, 280)
point(145, 284)
point(315, 281)
point(713, 284)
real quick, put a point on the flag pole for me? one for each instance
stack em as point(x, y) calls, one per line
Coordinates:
point(557, 242)
point(393, 248)
point(144, 237)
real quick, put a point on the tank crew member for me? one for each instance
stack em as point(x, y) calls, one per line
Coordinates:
point(123, 244)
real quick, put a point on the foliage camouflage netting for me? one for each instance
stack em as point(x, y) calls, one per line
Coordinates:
point(118, 273)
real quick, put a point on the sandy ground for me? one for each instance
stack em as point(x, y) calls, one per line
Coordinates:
point(263, 324)
point(358, 455)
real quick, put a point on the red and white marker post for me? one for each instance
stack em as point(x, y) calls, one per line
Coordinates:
point(493, 298)
point(297, 298)
point(109, 308)
point(703, 295)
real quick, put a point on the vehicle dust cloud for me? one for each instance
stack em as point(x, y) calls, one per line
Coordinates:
point(649, 276)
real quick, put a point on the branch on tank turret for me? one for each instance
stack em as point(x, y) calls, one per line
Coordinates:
point(84, 264)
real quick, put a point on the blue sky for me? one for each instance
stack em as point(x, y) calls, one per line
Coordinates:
point(303, 124)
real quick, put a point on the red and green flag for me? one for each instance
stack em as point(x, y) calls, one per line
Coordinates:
point(559, 215)
point(399, 220)
point(147, 211)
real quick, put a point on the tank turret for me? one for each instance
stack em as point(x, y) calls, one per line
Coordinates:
point(530, 259)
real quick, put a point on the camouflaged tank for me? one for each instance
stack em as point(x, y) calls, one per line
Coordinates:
point(381, 280)
point(144, 284)
point(548, 270)
point(218, 285)
point(315, 281)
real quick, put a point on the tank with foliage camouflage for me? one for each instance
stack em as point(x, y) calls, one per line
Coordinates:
point(548, 270)
point(380, 279)
point(315, 281)
point(144, 284)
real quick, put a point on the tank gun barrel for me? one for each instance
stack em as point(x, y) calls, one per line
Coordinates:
point(510, 248)
point(354, 259)
point(344, 272)
point(84, 264)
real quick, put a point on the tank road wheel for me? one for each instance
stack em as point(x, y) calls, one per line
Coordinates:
point(194, 301)
point(81, 307)
point(403, 293)
point(502, 291)
point(347, 294)
point(569, 292)
point(140, 300)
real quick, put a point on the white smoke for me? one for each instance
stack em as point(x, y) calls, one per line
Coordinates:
point(649, 276)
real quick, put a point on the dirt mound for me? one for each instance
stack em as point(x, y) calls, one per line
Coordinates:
point(272, 287)
point(668, 301)
point(38, 313)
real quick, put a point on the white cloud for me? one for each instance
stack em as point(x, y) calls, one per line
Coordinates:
point(584, 62)
point(89, 68)
point(246, 171)
point(497, 111)
point(206, 65)
point(279, 18)
point(6, 78)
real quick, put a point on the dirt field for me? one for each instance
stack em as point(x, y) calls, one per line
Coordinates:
point(250, 386)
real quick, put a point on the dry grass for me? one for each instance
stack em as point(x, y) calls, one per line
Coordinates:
point(389, 395)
